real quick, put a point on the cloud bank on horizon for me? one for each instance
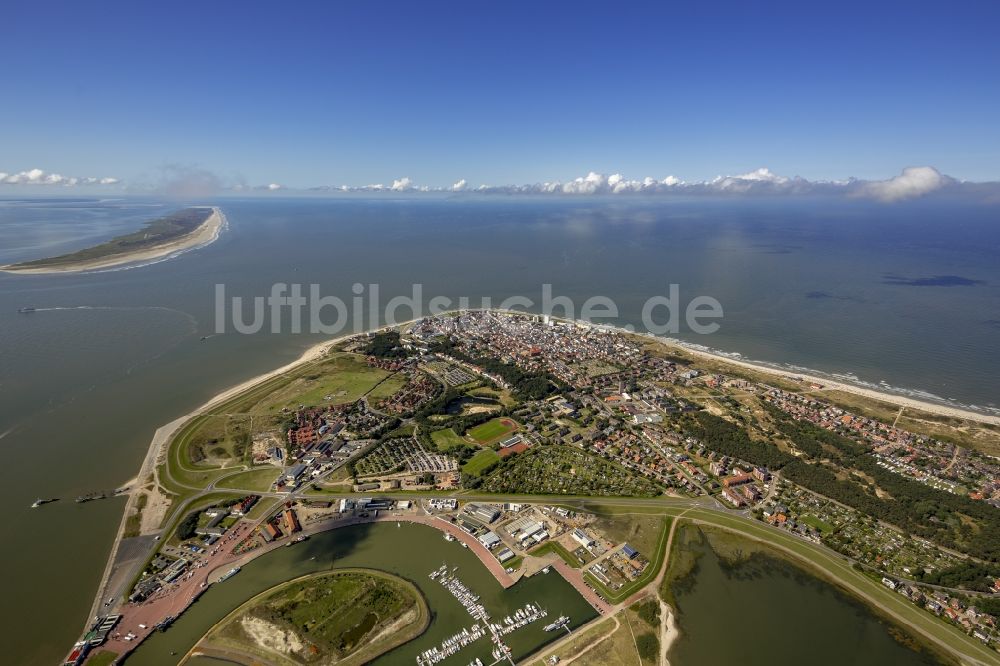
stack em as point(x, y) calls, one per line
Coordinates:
point(911, 183)
point(40, 177)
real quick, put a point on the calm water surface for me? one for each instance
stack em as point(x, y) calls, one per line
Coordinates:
point(764, 611)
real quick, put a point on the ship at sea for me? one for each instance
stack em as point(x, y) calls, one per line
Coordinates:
point(26, 309)
point(38, 502)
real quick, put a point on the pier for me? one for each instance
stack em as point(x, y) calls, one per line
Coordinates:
point(483, 624)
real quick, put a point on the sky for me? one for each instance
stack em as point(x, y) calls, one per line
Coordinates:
point(305, 95)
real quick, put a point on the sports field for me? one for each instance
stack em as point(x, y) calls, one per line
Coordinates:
point(492, 430)
point(477, 463)
point(446, 440)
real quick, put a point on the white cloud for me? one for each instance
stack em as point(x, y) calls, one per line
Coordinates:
point(273, 186)
point(41, 177)
point(589, 184)
point(912, 182)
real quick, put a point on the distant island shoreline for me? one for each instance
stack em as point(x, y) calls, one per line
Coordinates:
point(177, 235)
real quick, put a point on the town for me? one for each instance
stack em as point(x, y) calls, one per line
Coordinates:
point(390, 425)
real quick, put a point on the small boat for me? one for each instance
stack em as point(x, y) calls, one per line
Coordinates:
point(38, 502)
point(558, 624)
point(26, 309)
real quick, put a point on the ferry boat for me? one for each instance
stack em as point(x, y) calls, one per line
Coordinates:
point(558, 624)
point(229, 574)
point(165, 622)
point(89, 497)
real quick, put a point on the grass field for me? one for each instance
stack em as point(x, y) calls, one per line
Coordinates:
point(102, 658)
point(492, 430)
point(339, 379)
point(388, 387)
point(815, 522)
point(503, 395)
point(641, 532)
point(479, 462)
point(254, 479)
point(557, 548)
point(446, 440)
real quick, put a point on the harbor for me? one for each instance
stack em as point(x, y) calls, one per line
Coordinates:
point(483, 623)
point(373, 545)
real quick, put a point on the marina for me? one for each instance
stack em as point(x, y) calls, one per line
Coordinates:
point(484, 623)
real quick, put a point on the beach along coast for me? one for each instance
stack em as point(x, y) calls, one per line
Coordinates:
point(110, 257)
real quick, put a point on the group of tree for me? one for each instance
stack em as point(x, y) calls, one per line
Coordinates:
point(966, 575)
point(906, 503)
point(526, 384)
point(385, 344)
point(186, 528)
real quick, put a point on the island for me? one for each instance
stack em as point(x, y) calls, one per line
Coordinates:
point(171, 234)
point(541, 449)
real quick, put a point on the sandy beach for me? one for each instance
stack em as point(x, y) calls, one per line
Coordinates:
point(207, 232)
point(832, 384)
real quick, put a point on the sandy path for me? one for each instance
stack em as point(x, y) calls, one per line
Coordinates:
point(563, 642)
point(207, 232)
point(668, 631)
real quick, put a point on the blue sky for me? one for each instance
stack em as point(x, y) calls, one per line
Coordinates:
point(309, 94)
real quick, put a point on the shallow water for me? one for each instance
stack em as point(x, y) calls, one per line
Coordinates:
point(765, 611)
